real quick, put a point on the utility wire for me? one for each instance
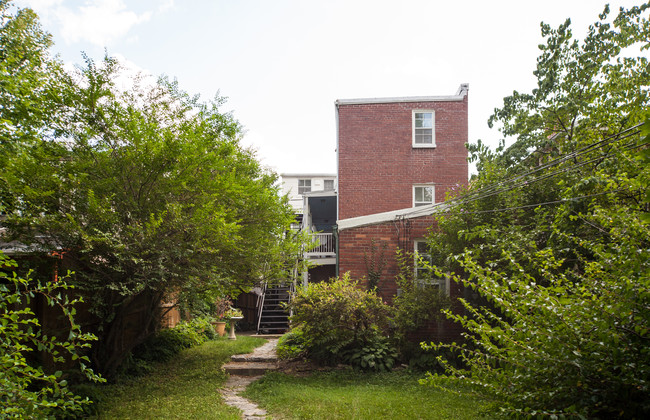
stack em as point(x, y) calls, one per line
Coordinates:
point(526, 206)
point(482, 193)
point(628, 146)
point(506, 185)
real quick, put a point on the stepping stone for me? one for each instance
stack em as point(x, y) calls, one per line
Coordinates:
point(249, 368)
point(257, 363)
point(236, 385)
point(265, 358)
point(244, 369)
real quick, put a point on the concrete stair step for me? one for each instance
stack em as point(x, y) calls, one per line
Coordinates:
point(249, 368)
point(253, 358)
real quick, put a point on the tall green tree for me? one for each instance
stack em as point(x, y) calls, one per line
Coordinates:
point(550, 238)
point(29, 85)
point(147, 192)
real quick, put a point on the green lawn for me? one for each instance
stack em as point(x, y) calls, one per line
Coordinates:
point(351, 395)
point(187, 387)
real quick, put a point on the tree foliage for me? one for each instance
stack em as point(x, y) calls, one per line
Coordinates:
point(145, 189)
point(27, 390)
point(418, 302)
point(551, 238)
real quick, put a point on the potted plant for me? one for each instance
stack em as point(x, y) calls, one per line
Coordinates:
point(221, 307)
point(233, 315)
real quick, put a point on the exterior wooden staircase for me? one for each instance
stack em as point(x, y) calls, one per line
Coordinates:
point(273, 317)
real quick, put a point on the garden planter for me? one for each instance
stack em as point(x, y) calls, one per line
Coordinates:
point(220, 328)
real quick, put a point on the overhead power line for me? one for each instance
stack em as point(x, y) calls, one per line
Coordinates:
point(524, 180)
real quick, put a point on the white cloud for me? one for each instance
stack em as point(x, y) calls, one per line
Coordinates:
point(99, 22)
point(165, 6)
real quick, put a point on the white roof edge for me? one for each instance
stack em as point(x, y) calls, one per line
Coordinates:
point(377, 218)
point(459, 96)
point(320, 193)
point(309, 174)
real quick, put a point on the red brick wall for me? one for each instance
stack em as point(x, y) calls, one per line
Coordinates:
point(354, 245)
point(378, 165)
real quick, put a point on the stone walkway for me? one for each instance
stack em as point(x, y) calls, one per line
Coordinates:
point(245, 369)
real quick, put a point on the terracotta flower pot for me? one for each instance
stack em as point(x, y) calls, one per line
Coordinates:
point(220, 327)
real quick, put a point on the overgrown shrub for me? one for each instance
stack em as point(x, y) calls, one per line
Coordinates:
point(293, 345)
point(418, 303)
point(167, 343)
point(377, 354)
point(577, 345)
point(339, 319)
point(26, 389)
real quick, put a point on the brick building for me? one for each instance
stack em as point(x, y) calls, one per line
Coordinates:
point(397, 157)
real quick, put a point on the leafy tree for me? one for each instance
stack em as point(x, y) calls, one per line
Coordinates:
point(29, 84)
point(26, 390)
point(552, 235)
point(147, 192)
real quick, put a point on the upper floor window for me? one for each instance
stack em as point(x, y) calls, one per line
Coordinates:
point(423, 195)
point(304, 186)
point(328, 185)
point(424, 133)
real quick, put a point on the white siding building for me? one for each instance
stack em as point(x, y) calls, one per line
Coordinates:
point(296, 185)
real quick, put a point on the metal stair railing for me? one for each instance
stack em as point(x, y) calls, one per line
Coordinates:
point(260, 306)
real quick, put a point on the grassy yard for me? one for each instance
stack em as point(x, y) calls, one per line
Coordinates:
point(187, 387)
point(351, 395)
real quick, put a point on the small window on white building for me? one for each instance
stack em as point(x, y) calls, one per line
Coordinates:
point(424, 133)
point(304, 186)
point(422, 263)
point(423, 195)
point(328, 185)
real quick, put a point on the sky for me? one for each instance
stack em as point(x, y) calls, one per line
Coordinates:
point(283, 63)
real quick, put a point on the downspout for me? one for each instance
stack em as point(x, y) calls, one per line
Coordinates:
point(335, 232)
point(336, 228)
point(336, 122)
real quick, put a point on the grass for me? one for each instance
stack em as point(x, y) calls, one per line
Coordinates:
point(352, 395)
point(187, 387)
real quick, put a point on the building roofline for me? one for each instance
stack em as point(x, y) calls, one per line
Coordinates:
point(304, 174)
point(379, 218)
point(459, 96)
point(320, 193)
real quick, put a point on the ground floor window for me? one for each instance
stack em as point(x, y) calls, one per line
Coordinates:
point(422, 264)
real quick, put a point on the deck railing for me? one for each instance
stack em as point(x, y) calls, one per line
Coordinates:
point(324, 245)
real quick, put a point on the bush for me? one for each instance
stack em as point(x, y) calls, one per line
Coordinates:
point(574, 346)
point(418, 303)
point(292, 345)
point(340, 319)
point(377, 354)
point(26, 389)
point(166, 344)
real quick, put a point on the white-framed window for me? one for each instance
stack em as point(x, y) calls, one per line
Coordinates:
point(422, 265)
point(423, 195)
point(328, 185)
point(304, 186)
point(424, 128)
